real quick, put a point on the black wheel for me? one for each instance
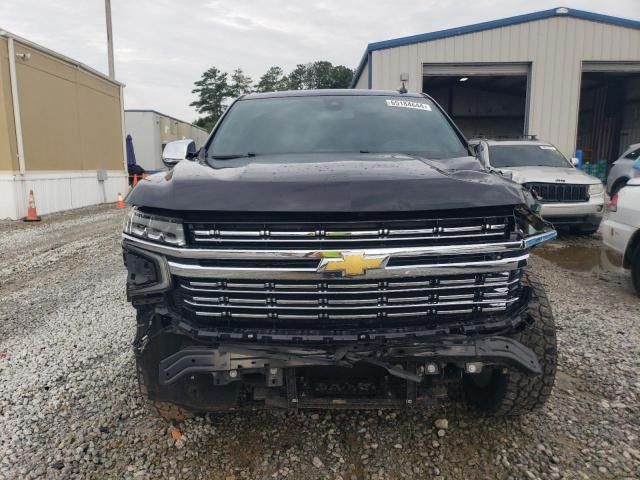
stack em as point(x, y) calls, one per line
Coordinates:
point(502, 392)
point(587, 230)
point(618, 185)
point(635, 269)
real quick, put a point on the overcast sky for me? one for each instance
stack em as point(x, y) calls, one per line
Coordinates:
point(163, 46)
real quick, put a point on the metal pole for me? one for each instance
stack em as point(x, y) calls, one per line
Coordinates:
point(107, 8)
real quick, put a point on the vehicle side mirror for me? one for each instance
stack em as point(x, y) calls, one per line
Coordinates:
point(575, 161)
point(179, 150)
point(481, 154)
point(636, 165)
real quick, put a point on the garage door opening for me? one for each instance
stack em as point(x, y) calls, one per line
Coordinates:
point(609, 115)
point(481, 102)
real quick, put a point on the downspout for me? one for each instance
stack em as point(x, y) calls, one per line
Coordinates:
point(16, 104)
point(124, 135)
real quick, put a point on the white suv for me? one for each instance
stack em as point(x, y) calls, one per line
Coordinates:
point(568, 196)
point(621, 227)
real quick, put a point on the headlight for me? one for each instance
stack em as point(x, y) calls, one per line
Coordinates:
point(596, 189)
point(154, 227)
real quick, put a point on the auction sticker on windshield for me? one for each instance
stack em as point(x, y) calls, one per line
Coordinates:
point(408, 104)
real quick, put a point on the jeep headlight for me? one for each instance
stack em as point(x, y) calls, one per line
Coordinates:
point(596, 189)
point(154, 227)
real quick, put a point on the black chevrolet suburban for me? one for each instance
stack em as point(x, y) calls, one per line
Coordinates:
point(336, 249)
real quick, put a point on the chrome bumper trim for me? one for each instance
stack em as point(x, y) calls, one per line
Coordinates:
point(241, 254)
point(197, 271)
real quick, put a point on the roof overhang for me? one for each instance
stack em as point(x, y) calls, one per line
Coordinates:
point(59, 56)
point(478, 27)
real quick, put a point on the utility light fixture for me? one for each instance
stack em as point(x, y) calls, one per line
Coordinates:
point(464, 79)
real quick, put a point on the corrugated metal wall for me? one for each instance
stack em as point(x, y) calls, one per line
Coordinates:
point(556, 48)
point(630, 131)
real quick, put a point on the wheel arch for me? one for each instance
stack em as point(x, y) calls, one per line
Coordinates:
point(619, 181)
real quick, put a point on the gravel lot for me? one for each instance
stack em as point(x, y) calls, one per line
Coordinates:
point(69, 406)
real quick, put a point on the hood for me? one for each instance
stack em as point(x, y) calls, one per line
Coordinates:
point(567, 175)
point(326, 183)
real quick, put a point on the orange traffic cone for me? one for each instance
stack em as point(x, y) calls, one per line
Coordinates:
point(32, 215)
point(120, 203)
point(135, 180)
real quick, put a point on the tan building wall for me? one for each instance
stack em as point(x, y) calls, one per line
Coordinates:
point(71, 118)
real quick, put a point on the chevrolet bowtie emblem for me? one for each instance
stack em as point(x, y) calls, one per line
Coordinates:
point(352, 264)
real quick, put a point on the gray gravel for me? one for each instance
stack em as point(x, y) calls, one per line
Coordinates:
point(69, 406)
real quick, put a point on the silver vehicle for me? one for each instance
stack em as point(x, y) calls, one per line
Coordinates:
point(622, 169)
point(568, 196)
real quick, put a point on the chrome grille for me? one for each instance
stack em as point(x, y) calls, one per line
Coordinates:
point(559, 192)
point(338, 301)
point(353, 234)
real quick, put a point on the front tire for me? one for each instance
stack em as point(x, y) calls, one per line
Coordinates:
point(511, 392)
point(587, 230)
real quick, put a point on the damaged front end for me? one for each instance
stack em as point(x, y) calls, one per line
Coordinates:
point(247, 321)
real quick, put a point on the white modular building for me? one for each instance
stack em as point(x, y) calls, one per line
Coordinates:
point(151, 131)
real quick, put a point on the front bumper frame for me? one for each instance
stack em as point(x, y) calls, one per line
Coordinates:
point(229, 362)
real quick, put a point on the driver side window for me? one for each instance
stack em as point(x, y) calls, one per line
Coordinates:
point(633, 155)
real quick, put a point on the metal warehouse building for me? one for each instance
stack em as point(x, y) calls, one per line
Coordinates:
point(567, 76)
point(151, 131)
point(61, 131)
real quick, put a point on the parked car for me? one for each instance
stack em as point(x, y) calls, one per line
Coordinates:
point(622, 169)
point(336, 249)
point(569, 197)
point(621, 227)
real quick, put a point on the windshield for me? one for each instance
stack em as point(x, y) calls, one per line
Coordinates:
point(526, 156)
point(326, 124)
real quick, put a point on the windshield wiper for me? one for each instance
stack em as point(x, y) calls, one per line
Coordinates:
point(231, 156)
point(382, 152)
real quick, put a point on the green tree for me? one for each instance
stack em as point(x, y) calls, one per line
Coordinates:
point(212, 91)
point(272, 81)
point(297, 79)
point(321, 74)
point(240, 83)
point(341, 77)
